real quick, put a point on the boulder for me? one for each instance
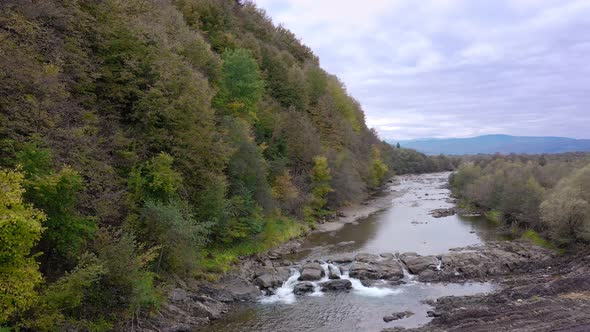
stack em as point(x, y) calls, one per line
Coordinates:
point(238, 289)
point(272, 278)
point(208, 308)
point(336, 285)
point(361, 270)
point(312, 272)
point(366, 258)
point(440, 213)
point(343, 260)
point(388, 270)
point(428, 276)
point(397, 315)
point(333, 272)
point(417, 263)
point(387, 255)
point(303, 287)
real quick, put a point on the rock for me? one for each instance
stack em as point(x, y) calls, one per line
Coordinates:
point(431, 313)
point(362, 270)
point(343, 260)
point(397, 315)
point(238, 289)
point(207, 307)
point(336, 285)
point(303, 287)
point(417, 263)
point(493, 259)
point(177, 295)
point(180, 327)
point(394, 329)
point(440, 213)
point(333, 272)
point(312, 272)
point(427, 276)
point(387, 255)
point(366, 258)
point(388, 270)
point(272, 278)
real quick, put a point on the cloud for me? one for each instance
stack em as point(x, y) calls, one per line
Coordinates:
point(454, 68)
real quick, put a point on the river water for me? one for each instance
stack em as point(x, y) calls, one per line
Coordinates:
point(404, 226)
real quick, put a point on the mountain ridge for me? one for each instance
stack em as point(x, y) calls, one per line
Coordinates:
point(496, 143)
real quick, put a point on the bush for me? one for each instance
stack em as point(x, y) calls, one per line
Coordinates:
point(20, 229)
point(177, 234)
point(566, 212)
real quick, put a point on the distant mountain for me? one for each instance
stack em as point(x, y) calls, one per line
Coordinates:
point(490, 144)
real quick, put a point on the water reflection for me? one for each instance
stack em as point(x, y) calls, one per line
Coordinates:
point(406, 225)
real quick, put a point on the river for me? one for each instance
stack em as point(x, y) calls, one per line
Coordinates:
point(404, 225)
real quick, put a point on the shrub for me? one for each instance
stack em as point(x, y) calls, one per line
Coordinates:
point(20, 229)
point(566, 212)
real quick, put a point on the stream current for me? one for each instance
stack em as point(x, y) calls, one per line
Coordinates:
point(405, 225)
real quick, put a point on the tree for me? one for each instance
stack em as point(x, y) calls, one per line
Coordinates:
point(67, 230)
point(241, 86)
point(378, 167)
point(566, 212)
point(320, 179)
point(20, 229)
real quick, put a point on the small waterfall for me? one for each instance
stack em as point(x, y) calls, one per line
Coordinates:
point(284, 294)
point(438, 266)
point(359, 288)
point(408, 277)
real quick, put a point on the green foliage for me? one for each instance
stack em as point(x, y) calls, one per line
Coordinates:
point(534, 237)
point(66, 230)
point(162, 181)
point(153, 133)
point(539, 196)
point(20, 229)
point(178, 235)
point(495, 216)
point(127, 263)
point(241, 86)
point(60, 301)
point(566, 211)
point(378, 167)
point(277, 229)
point(320, 178)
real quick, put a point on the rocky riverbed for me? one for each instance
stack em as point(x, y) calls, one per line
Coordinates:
point(338, 279)
point(547, 295)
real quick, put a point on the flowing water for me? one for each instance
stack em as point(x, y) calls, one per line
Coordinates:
point(405, 225)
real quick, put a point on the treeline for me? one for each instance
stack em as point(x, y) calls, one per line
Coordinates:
point(549, 194)
point(408, 161)
point(142, 139)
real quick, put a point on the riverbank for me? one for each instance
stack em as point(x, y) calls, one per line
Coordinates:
point(552, 295)
point(384, 271)
point(195, 303)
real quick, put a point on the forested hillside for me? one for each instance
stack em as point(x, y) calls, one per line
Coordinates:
point(141, 140)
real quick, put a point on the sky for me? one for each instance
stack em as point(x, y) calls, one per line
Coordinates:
point(454, 68)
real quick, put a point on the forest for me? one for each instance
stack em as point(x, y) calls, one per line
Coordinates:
point(143, 141)
point(545, 197)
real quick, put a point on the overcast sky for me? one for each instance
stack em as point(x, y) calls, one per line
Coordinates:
point(454, 68)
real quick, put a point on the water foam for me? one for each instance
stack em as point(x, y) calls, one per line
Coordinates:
point(284, 294)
